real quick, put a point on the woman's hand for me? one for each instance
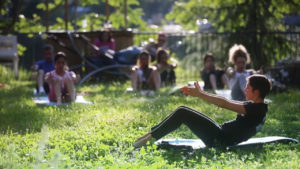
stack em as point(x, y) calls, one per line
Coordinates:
point(48, 77)
point(230, 72)
point(192, 91)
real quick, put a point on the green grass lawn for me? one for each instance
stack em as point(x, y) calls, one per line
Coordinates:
point(101, 135)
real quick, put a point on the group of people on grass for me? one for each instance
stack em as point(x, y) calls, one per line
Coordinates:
point(54, 79)
point(144, 75)
point(234, 78)
point(248, 92)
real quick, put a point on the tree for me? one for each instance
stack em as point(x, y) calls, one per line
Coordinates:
point(9, 13)
point(134, 15)
point(15, 16)
point(154, 8)
point(249, 22)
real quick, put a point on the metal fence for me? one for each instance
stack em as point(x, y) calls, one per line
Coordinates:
point(190, 48)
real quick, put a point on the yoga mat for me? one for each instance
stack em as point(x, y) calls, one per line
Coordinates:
point(194, 144)
point(43, 100)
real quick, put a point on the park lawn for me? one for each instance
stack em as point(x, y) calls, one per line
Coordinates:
point(101, 135)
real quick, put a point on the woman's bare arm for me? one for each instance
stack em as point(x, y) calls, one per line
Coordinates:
point(48, 77)
point(236, 106)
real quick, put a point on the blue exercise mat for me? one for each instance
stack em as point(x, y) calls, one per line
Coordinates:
point(43, 100)
point(194, 144)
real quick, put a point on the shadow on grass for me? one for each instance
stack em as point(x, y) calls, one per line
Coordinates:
point(248, 153)
point(18, 112)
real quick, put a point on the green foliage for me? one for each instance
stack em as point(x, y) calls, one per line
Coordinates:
point(90, 22)
point(6, 75)
point(21, 49)
point(42, 6)
point(29, 26)
point(89, 2)
point(133, 15)
point(101, 135)
point(249, 21)
point(60, 25)
point(183, 15)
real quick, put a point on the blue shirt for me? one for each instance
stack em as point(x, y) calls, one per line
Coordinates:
point(46, 66)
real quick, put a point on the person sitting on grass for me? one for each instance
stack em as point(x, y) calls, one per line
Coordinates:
point(166, 70)
point(144, 76)
point(213, 78)
point(61, 81)
point(239, 56)
point(43, 67)
point(251, 116)
point(104, 42)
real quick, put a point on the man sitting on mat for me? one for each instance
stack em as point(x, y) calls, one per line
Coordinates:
point(42, 67)
point(251, 116)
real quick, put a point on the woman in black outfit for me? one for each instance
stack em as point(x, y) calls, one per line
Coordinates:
point(250, 116)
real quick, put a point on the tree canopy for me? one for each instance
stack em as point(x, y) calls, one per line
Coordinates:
point(250, 22)
point(29, 17)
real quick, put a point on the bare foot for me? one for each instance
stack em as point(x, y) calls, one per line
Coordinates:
point(143, 141)
point(143, 136)
point(2, 85)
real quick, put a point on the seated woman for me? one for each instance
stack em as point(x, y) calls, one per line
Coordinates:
point(166, 70)
point(251, 116)
point(213, 78)
point(239, 56)
point(61, 81)
point(144, 76)
point(104, 42)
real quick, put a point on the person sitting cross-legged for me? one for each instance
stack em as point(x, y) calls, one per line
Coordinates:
point(144, 76)
point(104, 42)
point(239, 56)
point(61, 81)
point(213, 78)
point(166, 70)
point(251, 116)
point(42, 67)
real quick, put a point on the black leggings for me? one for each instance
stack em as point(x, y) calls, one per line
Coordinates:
point(202, 126)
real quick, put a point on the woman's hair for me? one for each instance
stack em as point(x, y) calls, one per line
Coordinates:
point(159, 54)
point(237, 51)
point(143, 53)
point(260, 83)
point(108, 33)
point(208, 55)
point(60, 55)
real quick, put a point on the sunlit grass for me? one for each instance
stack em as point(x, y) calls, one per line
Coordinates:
point(101, 135)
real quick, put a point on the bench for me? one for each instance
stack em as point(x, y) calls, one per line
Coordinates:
point(8, 52)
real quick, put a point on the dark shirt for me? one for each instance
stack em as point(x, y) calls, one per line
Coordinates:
point(46, 66)
point(218, 74)
point(244, 127)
